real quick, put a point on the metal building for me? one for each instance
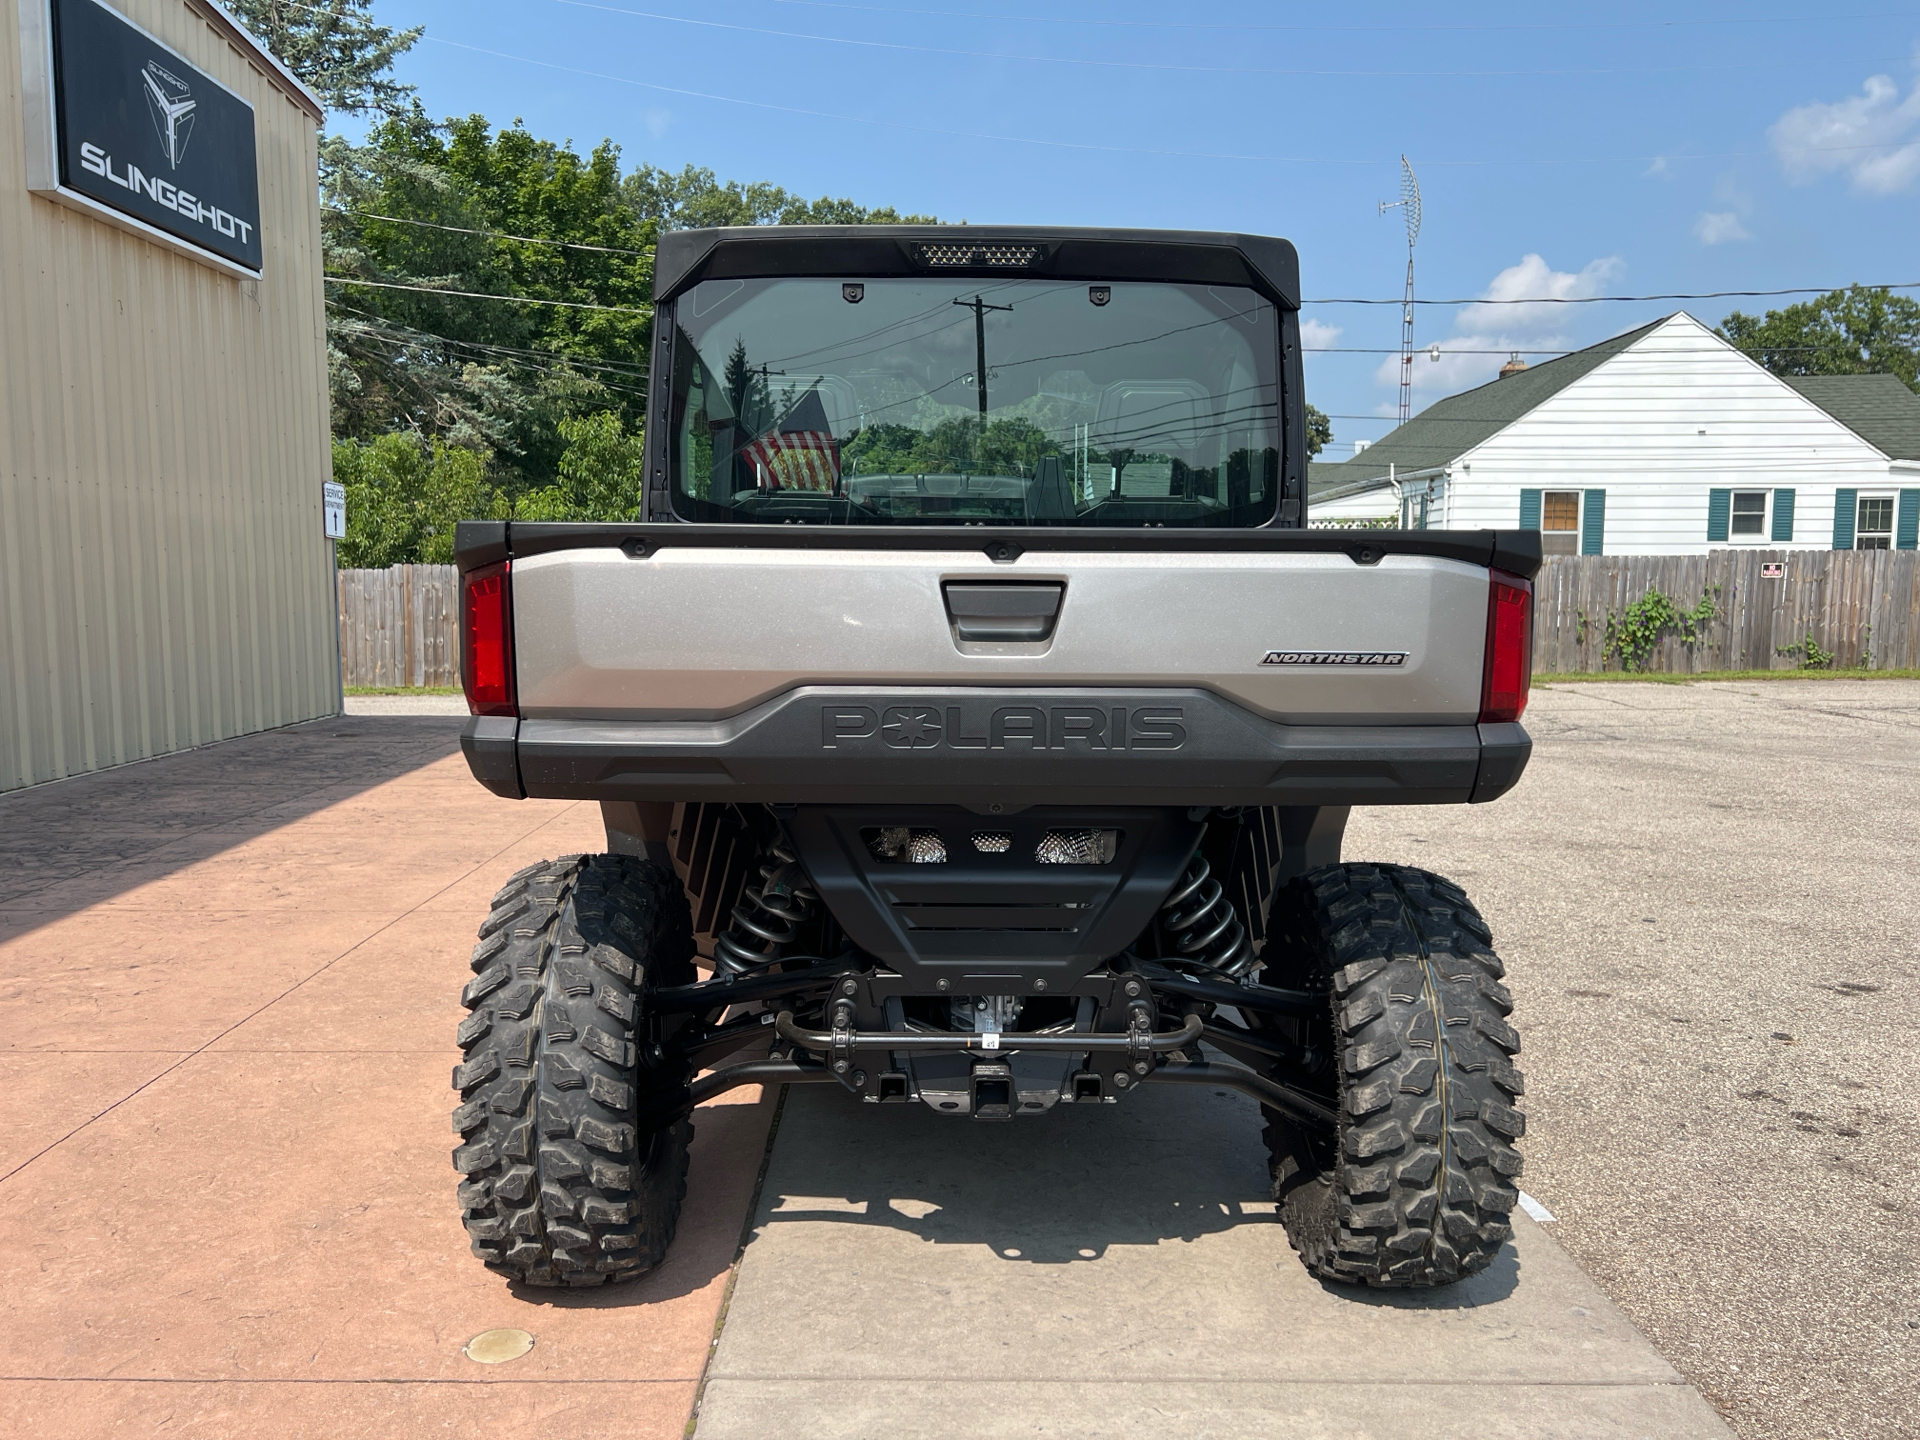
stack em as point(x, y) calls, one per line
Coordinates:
point(165, 579)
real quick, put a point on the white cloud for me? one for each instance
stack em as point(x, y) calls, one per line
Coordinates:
point(1888, 174)
point(1317, 334)
point(1717, 227)
point(1534, 279)
point(657, 122)
point(1659, 167)
point(1861, 135)
point(1484, 335)
point(1456, 369)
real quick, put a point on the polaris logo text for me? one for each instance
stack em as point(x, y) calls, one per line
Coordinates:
point(1107, 728)
point(96, 161)
point(1335, 657)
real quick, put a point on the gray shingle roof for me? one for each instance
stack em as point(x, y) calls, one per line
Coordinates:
point(1880, 409)
point(1325, 476)
point(1448, 428)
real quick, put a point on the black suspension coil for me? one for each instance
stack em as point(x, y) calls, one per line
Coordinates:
point(768, 918)
point(1201, 923)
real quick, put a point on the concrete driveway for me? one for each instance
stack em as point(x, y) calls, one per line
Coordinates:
point(227, 994)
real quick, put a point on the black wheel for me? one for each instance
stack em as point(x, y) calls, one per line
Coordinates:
point(563, 1182)
point(1416, 1186)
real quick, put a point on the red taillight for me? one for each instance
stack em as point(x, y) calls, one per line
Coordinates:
point(486, 640)
point(1509, 662)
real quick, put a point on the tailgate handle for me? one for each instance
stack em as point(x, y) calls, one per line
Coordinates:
point(990, 611)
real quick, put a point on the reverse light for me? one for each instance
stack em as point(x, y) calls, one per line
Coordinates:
point(486, 640)
point(1508, 668)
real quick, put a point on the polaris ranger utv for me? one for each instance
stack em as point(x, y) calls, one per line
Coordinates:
point(975, 722)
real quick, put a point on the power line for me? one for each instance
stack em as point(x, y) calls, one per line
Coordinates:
point(1345, 29)
point(1084, 147)
point(1618, 299)
point(1445, 349)
point(1541, 300)
point(890, 124)
point(486, 234)
point(400, 343)
point(1084, 62)
point(517, 352)
point(1127, 149)
point(482, 295)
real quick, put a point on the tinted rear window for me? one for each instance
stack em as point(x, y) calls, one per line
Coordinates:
point(866, 402)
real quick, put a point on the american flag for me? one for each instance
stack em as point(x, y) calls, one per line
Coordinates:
point(797, 460)
point(802, 453)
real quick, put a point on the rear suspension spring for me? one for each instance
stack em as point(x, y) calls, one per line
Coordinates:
point(769, 916)
point(1201, 923)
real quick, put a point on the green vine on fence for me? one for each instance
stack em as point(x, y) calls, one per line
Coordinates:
point(1634, 634)
point(1812, 656)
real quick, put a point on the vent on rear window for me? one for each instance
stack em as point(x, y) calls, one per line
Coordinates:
point(947, 255)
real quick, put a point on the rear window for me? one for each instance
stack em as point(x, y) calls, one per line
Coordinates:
point(1023, 402)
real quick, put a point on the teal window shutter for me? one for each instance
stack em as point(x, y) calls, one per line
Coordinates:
point(1906, 522)
point(1720, 506)
point(1593, 523)
point(1843, 505)
point(1783, 515)
point(1529, 509)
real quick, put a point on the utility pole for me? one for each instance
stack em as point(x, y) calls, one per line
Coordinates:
point(980, 308)
point(1409, 202)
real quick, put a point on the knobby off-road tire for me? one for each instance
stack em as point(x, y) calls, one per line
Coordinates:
point(1417, 1187)
point(563, 1184)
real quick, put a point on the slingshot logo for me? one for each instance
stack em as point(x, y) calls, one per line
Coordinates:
point(172, 105)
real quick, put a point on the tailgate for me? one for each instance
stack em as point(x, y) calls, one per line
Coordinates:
point(697, 632)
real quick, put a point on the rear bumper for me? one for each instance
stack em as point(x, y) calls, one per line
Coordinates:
point(987, 748)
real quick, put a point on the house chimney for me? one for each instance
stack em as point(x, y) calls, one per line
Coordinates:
point(1513, 366)
point(1360, 445)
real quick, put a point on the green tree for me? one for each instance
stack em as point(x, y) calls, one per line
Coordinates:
point(695, 199)
point(461, 208)
point(335, 47)
point(404, 497)
point(1855, 331)
point(1319, 430)
point(601, 474)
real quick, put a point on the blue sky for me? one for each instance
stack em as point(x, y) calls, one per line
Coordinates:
point(1568, 150)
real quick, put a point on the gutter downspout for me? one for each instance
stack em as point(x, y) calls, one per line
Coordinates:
point(1400, 486)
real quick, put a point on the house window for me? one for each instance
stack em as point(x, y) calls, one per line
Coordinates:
point(1749, 518)
point(1560, 522)
point(1873, 523)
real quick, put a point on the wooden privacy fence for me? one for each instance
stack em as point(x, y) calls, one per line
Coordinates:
point(1860, 606)
point(400, 626)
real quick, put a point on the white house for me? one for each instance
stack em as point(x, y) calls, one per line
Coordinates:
point(1662, 441)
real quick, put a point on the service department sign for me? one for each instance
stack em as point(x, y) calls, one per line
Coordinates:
point(142, 132)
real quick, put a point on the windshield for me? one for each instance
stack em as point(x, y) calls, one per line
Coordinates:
point(1026, 402)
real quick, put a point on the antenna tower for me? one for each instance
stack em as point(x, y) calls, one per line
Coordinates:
point(1409, 202)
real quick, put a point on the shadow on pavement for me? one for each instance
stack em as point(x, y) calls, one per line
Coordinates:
point(70, 844)
point(1161, 1167)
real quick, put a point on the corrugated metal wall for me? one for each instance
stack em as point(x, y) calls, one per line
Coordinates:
point(164, 577)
